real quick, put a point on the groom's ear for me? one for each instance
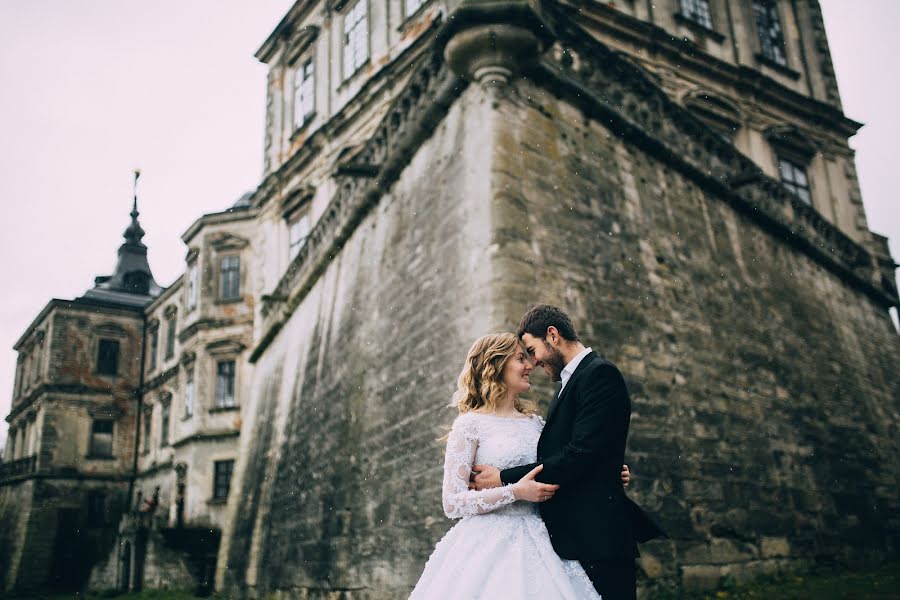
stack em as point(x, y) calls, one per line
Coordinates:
point(552, 335)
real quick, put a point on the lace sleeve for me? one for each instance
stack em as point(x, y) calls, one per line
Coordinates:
point(458, 500)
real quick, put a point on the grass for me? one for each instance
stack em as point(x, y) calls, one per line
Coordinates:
point(877, 584)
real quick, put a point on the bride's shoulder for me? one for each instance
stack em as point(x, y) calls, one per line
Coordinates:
point(537, 419)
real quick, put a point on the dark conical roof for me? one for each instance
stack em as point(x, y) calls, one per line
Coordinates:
point(132, 282)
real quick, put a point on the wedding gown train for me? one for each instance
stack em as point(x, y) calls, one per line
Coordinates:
point(500, 548)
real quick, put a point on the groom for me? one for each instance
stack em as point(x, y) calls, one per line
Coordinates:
point(582, 449)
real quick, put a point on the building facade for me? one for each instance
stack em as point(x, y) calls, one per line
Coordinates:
point(675, 173)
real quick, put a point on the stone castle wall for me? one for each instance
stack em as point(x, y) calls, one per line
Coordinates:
point(340, 488)
point(765, 400)
point(759, 369)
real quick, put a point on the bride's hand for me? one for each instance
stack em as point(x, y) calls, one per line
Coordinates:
point(626, 475)
point(533, 491)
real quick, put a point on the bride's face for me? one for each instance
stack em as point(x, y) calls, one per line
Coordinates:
point(516, 372)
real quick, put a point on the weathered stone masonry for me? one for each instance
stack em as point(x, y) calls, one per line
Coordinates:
point(753, 334)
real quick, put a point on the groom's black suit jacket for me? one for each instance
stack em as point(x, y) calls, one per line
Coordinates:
point(582, 449)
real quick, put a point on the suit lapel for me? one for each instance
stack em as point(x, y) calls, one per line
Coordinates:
point(558, 398)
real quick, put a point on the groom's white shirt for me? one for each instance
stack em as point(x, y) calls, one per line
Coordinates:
point(570, 368)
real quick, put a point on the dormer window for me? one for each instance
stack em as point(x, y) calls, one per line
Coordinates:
point(768, 27)
point(356, 37)
point(304, 93)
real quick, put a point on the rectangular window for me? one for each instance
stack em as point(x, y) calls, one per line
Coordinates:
point(304, 93)
point(793, 177)
point(170, 337)
point(222, 478)
point(230, 278)
point(164, 425)
point(768, 26)
point(189, 394)
point(298, 231)
point(356, 38)
point(225, 384)
point(148, 428)
point(18, 386)
point(101, 438)
point(192, 287)
point(108, 357)
point(36, 364)
point(154, 348)
point(697, 11)
point(411, 6)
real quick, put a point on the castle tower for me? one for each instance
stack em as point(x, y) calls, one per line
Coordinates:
point(71, 427)
point(675, 174)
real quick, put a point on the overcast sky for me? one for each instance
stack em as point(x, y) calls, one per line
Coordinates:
point(89, 90)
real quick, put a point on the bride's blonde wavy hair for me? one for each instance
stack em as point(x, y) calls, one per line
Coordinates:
point(480, 384)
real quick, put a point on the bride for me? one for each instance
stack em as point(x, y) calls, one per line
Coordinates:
point(500, 548)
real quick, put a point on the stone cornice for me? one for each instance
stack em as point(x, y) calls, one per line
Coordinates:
point(743, 79)
point(161, 379)
point(79, 304)
point(208, 436)
point(55, 388)
point(619, 94)
point(412, 118)
point(273, 183)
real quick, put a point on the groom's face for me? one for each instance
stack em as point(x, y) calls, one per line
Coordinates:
point(544, 355)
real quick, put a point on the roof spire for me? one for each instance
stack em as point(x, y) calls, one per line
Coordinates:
point(134, 233)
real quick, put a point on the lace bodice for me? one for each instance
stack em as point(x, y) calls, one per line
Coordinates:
point(478, 438)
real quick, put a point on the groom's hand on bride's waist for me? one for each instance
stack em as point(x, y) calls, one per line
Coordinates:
point(484, 477)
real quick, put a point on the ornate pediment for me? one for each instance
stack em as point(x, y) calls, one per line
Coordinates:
point(225, 347)
point(300, 42)
point(297, 200)
point(789, 140)
point(227, 241)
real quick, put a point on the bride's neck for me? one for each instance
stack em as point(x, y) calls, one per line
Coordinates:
point(507, 407)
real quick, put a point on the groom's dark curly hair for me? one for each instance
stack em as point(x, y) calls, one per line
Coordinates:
point(541, 316)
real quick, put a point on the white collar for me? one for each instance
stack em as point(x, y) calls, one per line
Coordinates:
point(569, 369)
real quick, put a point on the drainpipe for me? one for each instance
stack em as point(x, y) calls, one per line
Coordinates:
point(139, 393)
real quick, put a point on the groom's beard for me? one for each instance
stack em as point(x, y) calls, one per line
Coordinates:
point(554, 362)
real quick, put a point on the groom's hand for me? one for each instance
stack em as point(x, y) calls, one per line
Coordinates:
point(485, 477)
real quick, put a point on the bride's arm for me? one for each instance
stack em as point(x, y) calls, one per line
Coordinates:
point(459, 501)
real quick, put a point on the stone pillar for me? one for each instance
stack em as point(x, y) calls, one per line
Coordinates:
point(491, 42)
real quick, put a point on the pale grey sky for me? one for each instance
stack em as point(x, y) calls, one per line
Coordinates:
point(90, 90)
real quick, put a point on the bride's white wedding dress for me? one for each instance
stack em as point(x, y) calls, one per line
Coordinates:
point(500, 549)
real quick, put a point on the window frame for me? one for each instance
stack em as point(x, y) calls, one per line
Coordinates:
point(193, 286)
point(148, 428)
point(189, 393)
point(118, 350)
point(171, 326)
point(92, 440)
point(228, 276)
point(295, 245)
point(768, 50)
point(789, 180)
point(220, 405)
point(301, 117)
point(165, 413)
point(688, 11)
point(351, 67)
point(217, 496)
